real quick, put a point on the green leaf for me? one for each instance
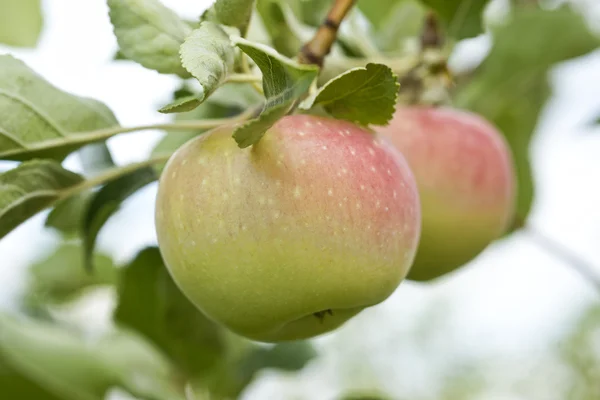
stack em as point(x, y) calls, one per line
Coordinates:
point(284, 82)
point(21, 22)
point(235, 13)
point(361, 95)
point(462, 19)
point(37, 184)
point(149, 33)
point(209, 56)
point(139, 367)
point(30, 188)
point(282, 37)
point(252, 131)
point(152, 304)
point(39, 120)
point(66, 363)
point(60, 277)
point(106, 201)
point(511, 87)
point(67, 215)
point(183, 104)
point(210, 109)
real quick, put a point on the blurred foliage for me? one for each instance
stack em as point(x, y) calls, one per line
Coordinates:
point(462, 19)
point(70, 366)
point(107, 201)
point(60, 277)
point(21, 22)
point(401, 22)
point(67, 215)
point(151, 303)
point(283, 37)
point(357, 396)
point(217, 361)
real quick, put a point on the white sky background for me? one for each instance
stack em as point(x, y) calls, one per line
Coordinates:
point(514, 299)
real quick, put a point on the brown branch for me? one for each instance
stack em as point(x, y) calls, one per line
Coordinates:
point(585, 269)
point(319, 46)
point(431, 35)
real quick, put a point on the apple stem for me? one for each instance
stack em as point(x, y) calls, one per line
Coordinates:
point(430, 79)
point(315, 50)
point(585, 269)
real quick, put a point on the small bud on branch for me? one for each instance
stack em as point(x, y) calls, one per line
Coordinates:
point(319, 46)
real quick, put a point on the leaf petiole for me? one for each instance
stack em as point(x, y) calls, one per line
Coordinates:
point(113, 173)
point(248, 71)
point(243, 78)
point(99, 135)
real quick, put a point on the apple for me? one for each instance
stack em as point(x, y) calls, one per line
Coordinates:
point(466, 179)
point(291, 237)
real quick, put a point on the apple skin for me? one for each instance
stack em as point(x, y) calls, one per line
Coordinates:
point(291, 237)
point(467, 184)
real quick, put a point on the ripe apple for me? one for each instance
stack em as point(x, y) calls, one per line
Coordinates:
point(466, 180)
point(289, 238)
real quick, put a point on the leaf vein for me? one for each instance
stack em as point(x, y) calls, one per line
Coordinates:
point(33, 108)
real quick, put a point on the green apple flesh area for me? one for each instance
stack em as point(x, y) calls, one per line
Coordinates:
point(289, 238)
point(467, 184)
